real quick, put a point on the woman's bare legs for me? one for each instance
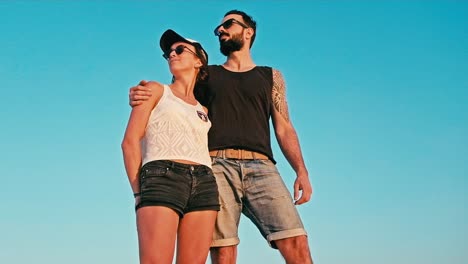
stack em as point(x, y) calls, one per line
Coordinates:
point(157, 229)
point(194, 237)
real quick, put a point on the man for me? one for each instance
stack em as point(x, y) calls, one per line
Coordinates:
point(241, 97)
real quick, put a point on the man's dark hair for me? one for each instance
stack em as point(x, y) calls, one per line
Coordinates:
point(248, 20)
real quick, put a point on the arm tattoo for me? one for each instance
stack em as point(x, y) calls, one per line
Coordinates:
point(279, 94)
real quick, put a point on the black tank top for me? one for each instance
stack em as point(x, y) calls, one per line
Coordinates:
point(239, 107)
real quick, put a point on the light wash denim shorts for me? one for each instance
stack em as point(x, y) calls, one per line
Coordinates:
point(255, 188)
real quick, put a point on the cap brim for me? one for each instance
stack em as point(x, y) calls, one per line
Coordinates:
point(170, 37)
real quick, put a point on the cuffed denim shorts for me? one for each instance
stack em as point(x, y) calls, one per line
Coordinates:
point(254, 188)
point(182, 187)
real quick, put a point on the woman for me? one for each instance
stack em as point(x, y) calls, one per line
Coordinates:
point(170, 171)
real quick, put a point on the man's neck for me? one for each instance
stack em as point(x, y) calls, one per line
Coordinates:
point(239, 61)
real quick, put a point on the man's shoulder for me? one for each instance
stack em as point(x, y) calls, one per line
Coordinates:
point(269, 68)
point(264, 67)
point(213, 68)
point(216, 66)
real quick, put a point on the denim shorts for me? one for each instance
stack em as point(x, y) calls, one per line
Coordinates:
point(254, 188)
point(182, 187)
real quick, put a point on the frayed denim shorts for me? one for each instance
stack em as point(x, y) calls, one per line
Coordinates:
point(253, 188)
point(182, 187)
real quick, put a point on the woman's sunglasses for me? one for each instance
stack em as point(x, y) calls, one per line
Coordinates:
point(227, 24)
point(178, 50)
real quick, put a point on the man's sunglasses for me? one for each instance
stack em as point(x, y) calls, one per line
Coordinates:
point(227, 24)
point(178, 50)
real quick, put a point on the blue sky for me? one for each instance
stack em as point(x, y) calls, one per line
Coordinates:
point(378, 93)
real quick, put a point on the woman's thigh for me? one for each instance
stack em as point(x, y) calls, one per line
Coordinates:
point(157, 230)
point(194, 236)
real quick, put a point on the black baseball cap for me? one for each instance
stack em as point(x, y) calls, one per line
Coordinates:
point(169, 37)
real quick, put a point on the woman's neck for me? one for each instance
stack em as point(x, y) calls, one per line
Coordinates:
point(184, 86)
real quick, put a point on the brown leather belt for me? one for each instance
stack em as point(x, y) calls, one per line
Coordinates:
point(240, 154)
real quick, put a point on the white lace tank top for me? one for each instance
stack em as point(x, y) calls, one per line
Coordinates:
point(176, 130)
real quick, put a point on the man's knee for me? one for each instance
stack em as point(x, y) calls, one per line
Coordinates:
point(292, 243)
point(223, 255)
point(294, 249)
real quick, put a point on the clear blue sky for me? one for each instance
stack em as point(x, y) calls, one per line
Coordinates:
point(378, 93)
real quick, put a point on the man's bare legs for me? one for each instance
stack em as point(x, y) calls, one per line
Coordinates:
point(223, 255)
point(295, 250)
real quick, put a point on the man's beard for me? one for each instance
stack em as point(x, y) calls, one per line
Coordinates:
point(231, 45)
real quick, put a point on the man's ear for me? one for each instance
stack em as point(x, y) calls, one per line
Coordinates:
point(250, 32)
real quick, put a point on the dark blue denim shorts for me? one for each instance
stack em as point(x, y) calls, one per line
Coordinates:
point(182, 187)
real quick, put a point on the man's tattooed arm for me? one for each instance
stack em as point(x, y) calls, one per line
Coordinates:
point(279, 94)
point(288, 140)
